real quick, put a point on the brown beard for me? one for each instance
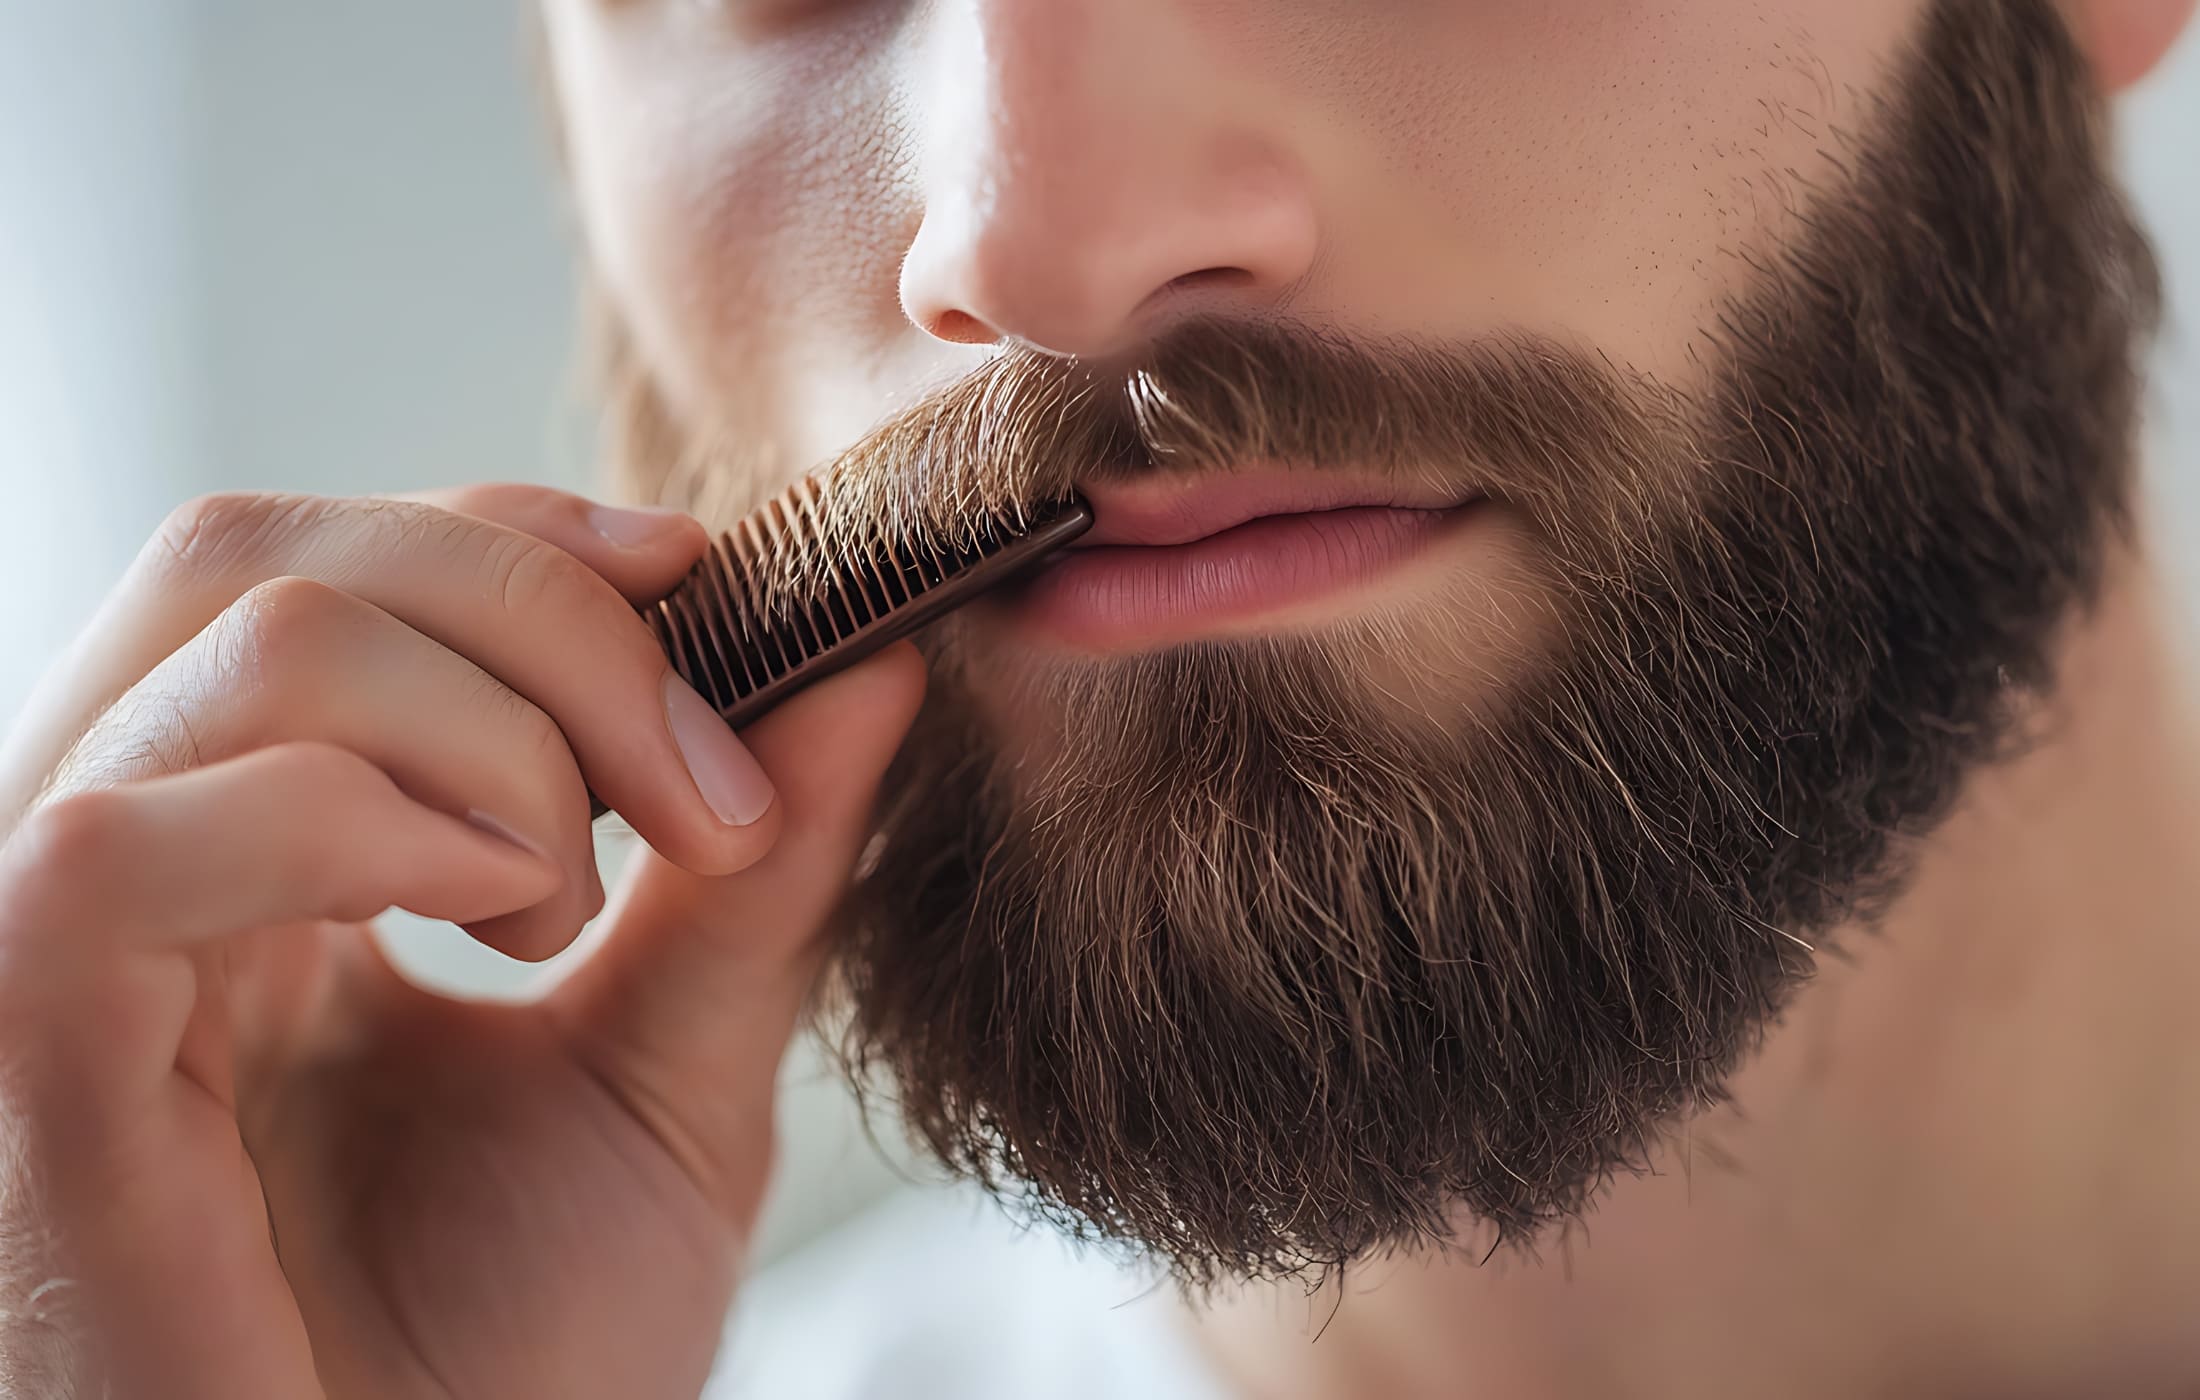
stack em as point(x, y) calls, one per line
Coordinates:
point(1256, 975)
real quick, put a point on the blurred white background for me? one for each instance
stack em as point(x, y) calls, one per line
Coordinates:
point(319, 246)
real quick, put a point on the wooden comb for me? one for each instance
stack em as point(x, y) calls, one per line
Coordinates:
point(745, 644)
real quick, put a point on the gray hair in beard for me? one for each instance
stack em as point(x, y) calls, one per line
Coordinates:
point(1248, 973)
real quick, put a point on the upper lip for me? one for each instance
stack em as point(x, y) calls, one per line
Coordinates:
point(1161, 510)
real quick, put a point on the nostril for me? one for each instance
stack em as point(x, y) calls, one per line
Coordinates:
point(1209, 284)
point(962, 328)
point(1213, 279)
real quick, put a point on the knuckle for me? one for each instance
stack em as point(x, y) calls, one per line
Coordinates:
point(537, 584)
point(320, 770)
point(537, 737)
point(69, 836)
point(546, 744)
point(414, 523)
point(508, 503)
point(532, 743)
point(62, 851)
point(282, 617)
point(529, 578)
point(224, 527)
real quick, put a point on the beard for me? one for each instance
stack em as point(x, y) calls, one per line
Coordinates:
point(1235, 964)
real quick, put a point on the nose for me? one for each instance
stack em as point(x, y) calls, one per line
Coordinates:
point(1089, 168)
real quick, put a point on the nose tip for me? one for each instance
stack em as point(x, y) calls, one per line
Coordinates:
point(1085, 267)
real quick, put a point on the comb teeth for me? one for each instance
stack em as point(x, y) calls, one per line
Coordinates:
point(746, 641)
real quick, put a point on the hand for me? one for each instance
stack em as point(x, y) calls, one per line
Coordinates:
point(243, 1158)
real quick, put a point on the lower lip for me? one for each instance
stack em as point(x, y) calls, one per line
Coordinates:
point(1113, 597)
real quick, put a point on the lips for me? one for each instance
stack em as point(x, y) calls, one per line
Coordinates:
point(1158, 511)
point(1175, 561)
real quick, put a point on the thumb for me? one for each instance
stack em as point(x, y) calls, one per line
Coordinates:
point(697, 983)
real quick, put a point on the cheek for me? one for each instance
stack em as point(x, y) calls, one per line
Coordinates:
point(748, 212)
point(1591, 169)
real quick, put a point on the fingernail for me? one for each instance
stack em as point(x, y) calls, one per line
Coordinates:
point(725, 772)
point(636, 527)
point(485, 822)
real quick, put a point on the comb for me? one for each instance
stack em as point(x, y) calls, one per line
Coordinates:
point(746, 646)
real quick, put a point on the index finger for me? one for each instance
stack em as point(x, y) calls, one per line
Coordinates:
point(528, 612)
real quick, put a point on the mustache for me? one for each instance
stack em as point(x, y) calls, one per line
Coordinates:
point(1574, 442)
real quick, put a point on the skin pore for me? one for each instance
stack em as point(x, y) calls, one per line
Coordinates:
point(804, 217)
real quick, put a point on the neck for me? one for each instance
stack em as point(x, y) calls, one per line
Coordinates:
point(1967, 1161)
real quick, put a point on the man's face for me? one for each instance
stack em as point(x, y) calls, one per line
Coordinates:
point(1680, 428)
